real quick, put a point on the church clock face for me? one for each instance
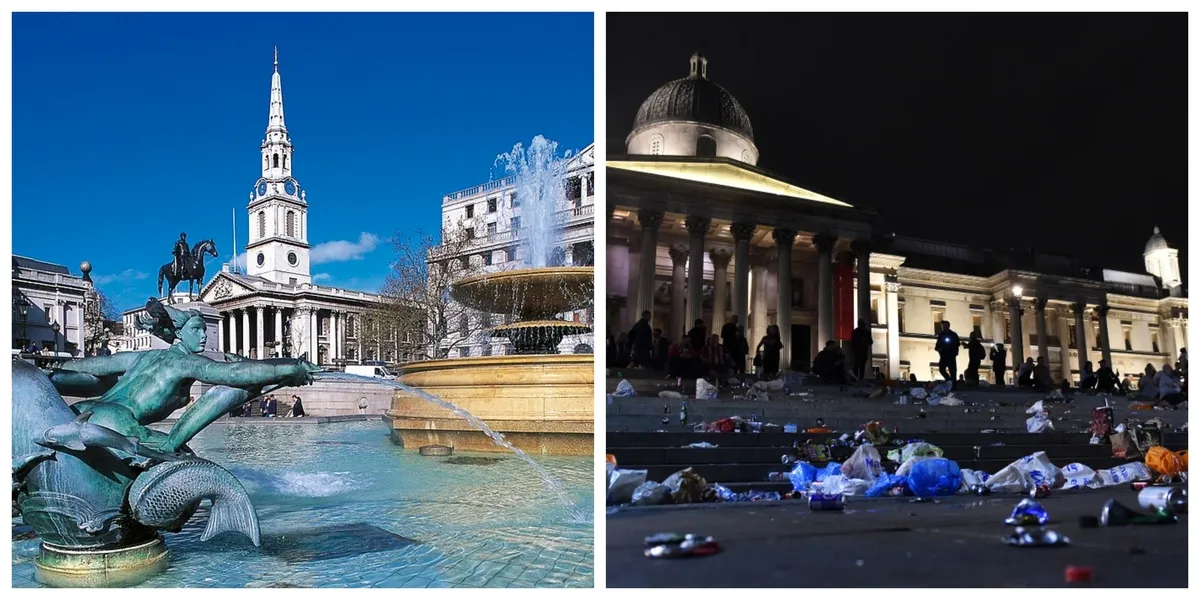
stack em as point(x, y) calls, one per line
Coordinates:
point(261, 259)
point(262, 189)
point(290, 188)
point(292, 260)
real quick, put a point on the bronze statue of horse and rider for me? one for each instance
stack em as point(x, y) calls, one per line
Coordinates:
point(188, 265)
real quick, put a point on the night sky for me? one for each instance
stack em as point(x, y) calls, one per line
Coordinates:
point(1064, 133)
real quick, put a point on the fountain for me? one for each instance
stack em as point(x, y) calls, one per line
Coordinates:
point(541, 400)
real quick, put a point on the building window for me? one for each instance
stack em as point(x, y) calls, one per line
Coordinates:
point(1128, 335)
point(900, 319)
point(491, 205)
point(656, 145)
point(510, 254)
point(262, 224)
point(977, 325)
point(938, 317)
point(291, 224)
point(487, 259)
point(470, 233)
point(1154, 342)
point(513, 200)
point(573, 190)
point(515, 223)
point(706, 147)
point(874, 311)
point(797, 293)
point(285, 160)
point(1074, 344)
point(464, 325)
point(470, 211)
point(276, 160)
point(491, 229)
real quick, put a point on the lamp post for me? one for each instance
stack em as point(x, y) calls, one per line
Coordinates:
point(55, 327)
point(1017, 347)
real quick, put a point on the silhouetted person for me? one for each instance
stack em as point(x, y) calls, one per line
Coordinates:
point(975, 355)
point(1106, 379)
point(697, 336)
point(830, 364)
point(770, 346)
point(999, 358)
point(860, 342)
point(1087, 379)
point(731, 339)
point(1042, 380)
point(662, 349)
point(1025, 373)
point(947, 348)
point(641, 340)
point(297, 406)
point(622, 350)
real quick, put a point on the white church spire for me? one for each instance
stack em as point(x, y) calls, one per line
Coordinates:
point(276, 146)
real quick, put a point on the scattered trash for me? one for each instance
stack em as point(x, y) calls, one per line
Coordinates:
point(705, 390)
point(669, 395)
point(1025, 537)
point(863, 464)
point(1116, 514)
point(622, 483)
point(651, 494)
point(935, 477)
point(1040, 491)
point(624, 389)
point(688, 545)
point(1075, 574)
point(1165, 462)
point(789, 428)
point(1028, 512)
point(827, 502)
point(1171, 499)
point(686, 486)
point(902, 455)
point(701, 445)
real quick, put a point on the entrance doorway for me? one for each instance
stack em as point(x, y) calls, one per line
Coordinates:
point(802, 346)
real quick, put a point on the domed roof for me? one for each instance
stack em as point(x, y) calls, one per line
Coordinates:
point(695, 98)
point(1156, 242)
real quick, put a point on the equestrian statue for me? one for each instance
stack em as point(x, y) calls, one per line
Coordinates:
point(187, 265)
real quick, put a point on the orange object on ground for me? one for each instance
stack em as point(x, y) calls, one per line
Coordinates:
point(1165, 462)
point(610, 459)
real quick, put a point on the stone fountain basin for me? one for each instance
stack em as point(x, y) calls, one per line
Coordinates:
point(533, 294)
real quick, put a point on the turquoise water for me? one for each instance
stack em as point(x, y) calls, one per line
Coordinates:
point(341, 506)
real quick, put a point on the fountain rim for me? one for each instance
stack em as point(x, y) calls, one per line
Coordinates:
point(498, 360)
point(523, 273)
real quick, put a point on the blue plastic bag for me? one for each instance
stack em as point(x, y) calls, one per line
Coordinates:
point(802, 476)
point(935, 477)
point(831, 468)
point(884, 484)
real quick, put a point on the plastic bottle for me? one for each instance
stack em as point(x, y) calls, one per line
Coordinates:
point(666, 414)
point(683, 413)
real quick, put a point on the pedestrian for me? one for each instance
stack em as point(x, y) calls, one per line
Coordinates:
point(732, 344)
point(662, 350)
point(830, 364)
point(1182, 362)
point(975, 355)
point(1087, 379)
point(860, 342)
point(947, 347)
point(1170, 392)
point(769, 348)
point(623, 358)
point(697, 336)
point(1025, 373)
point(641, 341)
point(1043, 381)
point(297, 406)
point(1106, 379)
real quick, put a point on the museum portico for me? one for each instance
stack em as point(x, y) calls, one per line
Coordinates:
point(701, 234)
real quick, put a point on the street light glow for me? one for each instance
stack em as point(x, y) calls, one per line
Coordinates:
point(1016, 290)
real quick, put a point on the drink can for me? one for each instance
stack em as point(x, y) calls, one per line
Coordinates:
point(826, 502)
point(1040, 491)
point(1138, 486)
point(1168, 498)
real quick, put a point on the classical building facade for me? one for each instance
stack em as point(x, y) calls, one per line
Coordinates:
point(49, 307)
point(273, 308)
point(490, 216)
point(696, 230)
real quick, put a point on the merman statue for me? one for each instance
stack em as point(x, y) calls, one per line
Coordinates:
point(93, 476)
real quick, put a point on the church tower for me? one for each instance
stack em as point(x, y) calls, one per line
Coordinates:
point(1162, 261)
point(278, 242)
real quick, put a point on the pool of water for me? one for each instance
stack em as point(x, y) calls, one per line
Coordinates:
point(341, 506)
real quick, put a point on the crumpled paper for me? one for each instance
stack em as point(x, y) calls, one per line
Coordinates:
point(705, 390)
point(902, 455)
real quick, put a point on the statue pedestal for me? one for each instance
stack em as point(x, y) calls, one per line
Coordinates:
point(117, 567)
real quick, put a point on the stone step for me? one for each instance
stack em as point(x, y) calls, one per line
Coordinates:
point(618, 440)
point(684, 457)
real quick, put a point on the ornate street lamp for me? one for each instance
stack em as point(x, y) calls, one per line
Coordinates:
point(55, 327)
point(1016, 291)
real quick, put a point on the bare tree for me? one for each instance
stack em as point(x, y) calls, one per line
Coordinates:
point(418, 306)
point(101, 320)
point(298, 338)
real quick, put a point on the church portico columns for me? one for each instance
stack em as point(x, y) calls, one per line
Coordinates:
point(1081, 346)
point(862, 254)
point(720, 260)
point(314, 330)
point(824, 244)
point(1178, 341)
point(221, 332)
point(1105, 349)
point(679, 256)
point(892, 299)
point(1017, 349)
point(758, 262)
point(279, 331)
point(246, 332)
point(1039, 307)
point(697, 227)
point(784, 240)
point(233, 332)
point(742, 232)
point(650, 221)
point(259, 318)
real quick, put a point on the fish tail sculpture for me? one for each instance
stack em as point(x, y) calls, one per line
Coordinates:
point(166, 495)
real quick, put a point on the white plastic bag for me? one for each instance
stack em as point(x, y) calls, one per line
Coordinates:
point(1125, 473)
point(756, 394)
point(774, 384)
point(951, 400)
point(916, 449)
point(1078, 476)
point(918, 393)
point(863, 464)
point(622, 483)
point(906, 466)
point(849, 486)
point(651, 494)
point(1036, 408)
point(705, 390)
point(972, 477)
point(1025, 473)
point(1039, 423)
point(670, 395)
point(624, 389)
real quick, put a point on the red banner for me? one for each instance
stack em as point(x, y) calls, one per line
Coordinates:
point(843, 301)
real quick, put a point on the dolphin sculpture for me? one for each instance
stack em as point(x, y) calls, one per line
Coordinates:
point(79, 435)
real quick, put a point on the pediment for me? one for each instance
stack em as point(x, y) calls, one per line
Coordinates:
point(222, 288)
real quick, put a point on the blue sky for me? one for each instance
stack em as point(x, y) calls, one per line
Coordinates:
point(129, 128)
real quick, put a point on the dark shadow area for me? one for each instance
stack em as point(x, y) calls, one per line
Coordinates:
point(332, 542)
point(478, 461)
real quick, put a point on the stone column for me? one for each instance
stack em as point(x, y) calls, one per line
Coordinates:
point(997, 315)
point(246, 332)
point(1178, 341)
point(221, 333)
point(650, 221)
point(720, 260)
point(279, 331)
point(1105, 349)
point(862, 254)
point(679, 256)
point(233, 333)
point(824, 244)
point(758, 263)
point(358, 329)
point(1039, 307)
point(314, 328)
point(697, 227)
point(259, 316)
point(1017, 351)
point(742, 233)
point(334, 324)
point(784, 240)
point(1081, 345)
point(892, 299)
